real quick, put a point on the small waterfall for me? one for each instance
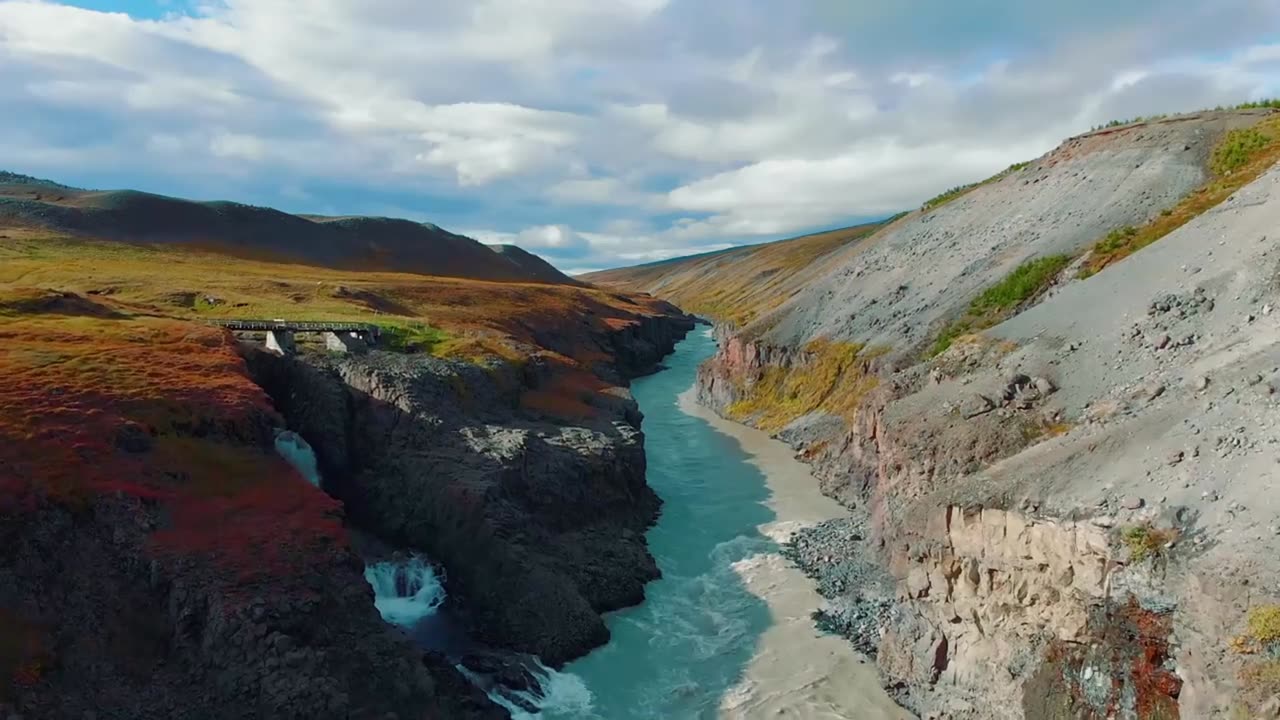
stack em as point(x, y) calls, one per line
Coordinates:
point(298, 453)
point(558, 694)
point(405, 591)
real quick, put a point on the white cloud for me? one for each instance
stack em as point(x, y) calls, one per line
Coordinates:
point(601, 132)
point(234, 145)
point(604, 191)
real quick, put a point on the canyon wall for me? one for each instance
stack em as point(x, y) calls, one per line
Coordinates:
point(1076, 504)
point(538, 516)
point(159, 558)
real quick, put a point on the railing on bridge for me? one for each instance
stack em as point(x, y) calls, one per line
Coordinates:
point(297, 326)
point(338, 336)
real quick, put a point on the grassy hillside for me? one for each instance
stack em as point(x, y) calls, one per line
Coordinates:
point(462, 318)
point(736, 285)
point(350, 243)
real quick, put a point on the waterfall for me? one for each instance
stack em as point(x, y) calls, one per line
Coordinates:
point(405, 591)
point(298, 453)
point(559, 694)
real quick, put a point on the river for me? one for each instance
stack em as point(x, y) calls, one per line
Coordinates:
point(726, 632)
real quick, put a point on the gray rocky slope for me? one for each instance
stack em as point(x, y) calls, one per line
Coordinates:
point(894, 291)
point(1071, 514)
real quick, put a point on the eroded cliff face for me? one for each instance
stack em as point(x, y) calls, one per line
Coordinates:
point(1074, 511)
point(1035, 614)
point(536, 511)
point(1001, 608)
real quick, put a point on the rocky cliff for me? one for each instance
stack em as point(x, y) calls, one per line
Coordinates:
point(537, 512)
point(1047, 401)
point(159, 558)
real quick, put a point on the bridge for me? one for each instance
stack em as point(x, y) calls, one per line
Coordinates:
point(338, 336)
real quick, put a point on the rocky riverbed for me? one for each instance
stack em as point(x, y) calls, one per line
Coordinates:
point(857, 591)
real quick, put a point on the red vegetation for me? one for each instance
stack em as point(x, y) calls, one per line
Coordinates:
point(1130, 646)
point(567, 394)
point(1157, 688)
point(164, 412)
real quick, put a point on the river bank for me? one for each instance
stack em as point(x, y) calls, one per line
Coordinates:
point(833, 680)
point(726, 632)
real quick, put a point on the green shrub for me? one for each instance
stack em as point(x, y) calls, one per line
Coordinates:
point(946, 197)
point(1260, 104)
point(1264, 625)
point(1117, 239)
point(998, 302)
point(411, 337)
point(949, 335)
point(955, 192)
point(1024, 283)
point(1238, 148)
point(1146, 541)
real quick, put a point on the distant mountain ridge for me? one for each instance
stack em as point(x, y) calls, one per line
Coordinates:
point(738, 284)
point(349, 242)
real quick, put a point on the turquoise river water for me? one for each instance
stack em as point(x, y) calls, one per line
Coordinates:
point(681, 651)
point(726, 632)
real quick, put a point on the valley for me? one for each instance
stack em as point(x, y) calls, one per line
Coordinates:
point(1040, 409)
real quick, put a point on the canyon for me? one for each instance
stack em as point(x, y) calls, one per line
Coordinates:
point(1048, 402)
point(1045, 401)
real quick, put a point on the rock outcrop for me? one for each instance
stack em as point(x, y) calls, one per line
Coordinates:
point(124, 637)
point(538, 519)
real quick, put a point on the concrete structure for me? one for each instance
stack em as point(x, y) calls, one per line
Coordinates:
point(281, 342)
point(338, 336)
point(345, 342)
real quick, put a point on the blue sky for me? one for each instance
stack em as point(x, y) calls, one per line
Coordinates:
point(597, 134)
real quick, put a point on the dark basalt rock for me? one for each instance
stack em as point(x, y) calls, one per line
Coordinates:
point(538, 522)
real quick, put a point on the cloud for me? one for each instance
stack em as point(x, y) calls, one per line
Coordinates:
point(600, 133)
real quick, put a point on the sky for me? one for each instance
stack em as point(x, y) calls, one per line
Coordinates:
point(598, 133)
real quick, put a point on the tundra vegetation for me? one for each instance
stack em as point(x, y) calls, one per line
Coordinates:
point(1002, 300)
point(763, 279)
point(1260, 643)
point(832, 377)
point(1146, 541)
point(116, 376)
point(1237, 160)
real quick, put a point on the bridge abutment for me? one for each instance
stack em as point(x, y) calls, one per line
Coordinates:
point(281, 342)
point(338, 336)
point(345, 342)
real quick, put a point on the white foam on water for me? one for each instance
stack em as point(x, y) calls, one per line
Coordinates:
point(781, 531)
point(562, 695)
point(405, 591)
point(298, 453)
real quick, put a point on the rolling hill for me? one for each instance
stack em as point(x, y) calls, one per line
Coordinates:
point(246, 231)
